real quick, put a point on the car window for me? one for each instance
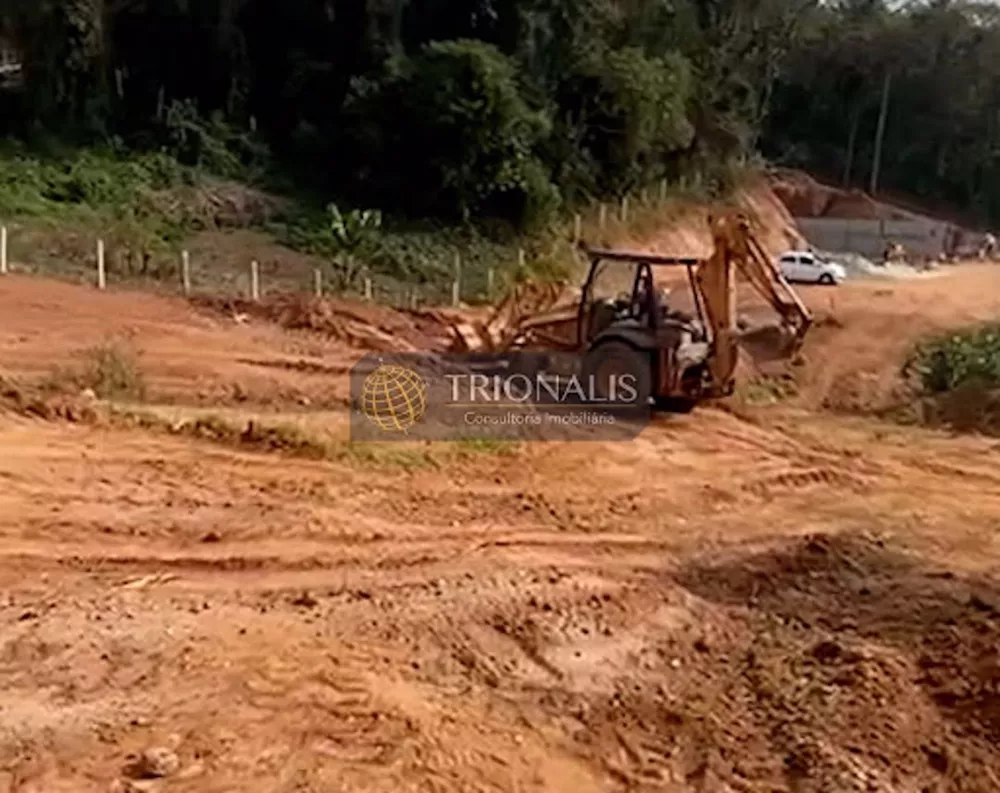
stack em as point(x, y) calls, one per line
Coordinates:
point(786, 259)
point(806, 260)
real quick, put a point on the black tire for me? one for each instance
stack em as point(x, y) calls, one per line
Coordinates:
point(676, 404)
point(826, 279)
point(619, 359)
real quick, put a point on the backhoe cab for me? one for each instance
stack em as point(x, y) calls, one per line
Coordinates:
point(676, 358)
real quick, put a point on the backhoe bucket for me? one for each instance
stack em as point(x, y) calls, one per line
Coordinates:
point(772, 342)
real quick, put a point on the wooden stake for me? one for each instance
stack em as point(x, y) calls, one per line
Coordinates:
point(368, 288)
point(577, 228)
point(318, 282)
point(663, 190)
point(186, 272)
point(101, 283)
point(456, 285)
point(3, 250)
point(624, 212)
point(602, 217)
point(254, 280)
point(489, 283)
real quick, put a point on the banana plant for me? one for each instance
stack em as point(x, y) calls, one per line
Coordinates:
point(355, 239)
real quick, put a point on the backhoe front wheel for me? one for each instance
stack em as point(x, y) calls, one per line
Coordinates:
point(618, 374)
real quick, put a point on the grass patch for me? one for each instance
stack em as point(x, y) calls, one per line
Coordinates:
point(420, 257)
point(467, 447)
point(380, 455)
point(766, 390)
point(144, 205)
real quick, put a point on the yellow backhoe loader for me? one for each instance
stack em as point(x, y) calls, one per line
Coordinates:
point(677, 357)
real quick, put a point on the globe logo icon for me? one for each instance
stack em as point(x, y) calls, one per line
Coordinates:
point(394, 398)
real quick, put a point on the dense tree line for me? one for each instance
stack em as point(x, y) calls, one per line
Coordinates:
point(511, 108)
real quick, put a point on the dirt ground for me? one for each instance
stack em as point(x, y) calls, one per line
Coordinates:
point(788, 598)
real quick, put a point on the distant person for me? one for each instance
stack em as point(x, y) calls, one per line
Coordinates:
point(989, 245)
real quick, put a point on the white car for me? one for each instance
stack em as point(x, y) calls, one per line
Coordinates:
point(807, 268)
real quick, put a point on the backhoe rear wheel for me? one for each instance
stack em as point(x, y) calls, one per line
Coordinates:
point(619, 373)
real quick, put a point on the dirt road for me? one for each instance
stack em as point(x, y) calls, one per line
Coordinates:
point(778, 599)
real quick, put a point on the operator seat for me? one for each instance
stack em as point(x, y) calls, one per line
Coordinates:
point(602, 314)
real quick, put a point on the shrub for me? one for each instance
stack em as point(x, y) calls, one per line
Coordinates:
point(453, 133)
point(111, 370)
point(632, 111)
point(949, 361)
point(212, 144)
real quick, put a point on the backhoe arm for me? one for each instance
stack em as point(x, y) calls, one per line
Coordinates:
point(735, 247)
point(770, 284)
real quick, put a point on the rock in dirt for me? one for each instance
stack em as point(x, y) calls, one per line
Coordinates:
point(157, 762)
point(826, 651)
point(305, 600)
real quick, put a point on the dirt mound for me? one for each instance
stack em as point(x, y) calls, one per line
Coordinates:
point(186, 355)
point(363, 326)
point(219, 205)
point(972, 407)
point(867, 670)
point(33, 403)
point(805, 197)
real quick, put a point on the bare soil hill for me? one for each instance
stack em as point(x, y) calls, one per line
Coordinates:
point(683, 228)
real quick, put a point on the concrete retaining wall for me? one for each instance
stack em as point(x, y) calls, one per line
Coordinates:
point(920, 236)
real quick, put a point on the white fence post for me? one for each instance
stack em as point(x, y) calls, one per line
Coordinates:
point(368, 288)
point(254, 280)
point(602, 216)
point(186, 272)
point(3, 250)
point(101, 282)
point(489, 283)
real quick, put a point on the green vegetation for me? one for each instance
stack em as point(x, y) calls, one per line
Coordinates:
point(408, 131)
point(956, 376)
point(955, 360)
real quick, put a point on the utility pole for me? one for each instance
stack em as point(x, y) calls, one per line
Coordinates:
point(880, 132)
